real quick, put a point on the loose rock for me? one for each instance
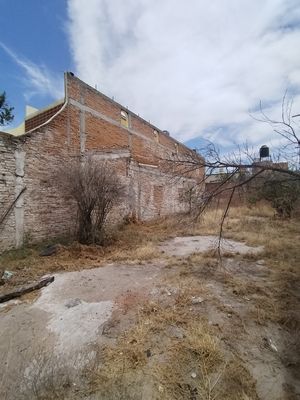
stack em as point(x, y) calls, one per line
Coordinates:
point(49, 251)
point(197, 300)
point(73, 303)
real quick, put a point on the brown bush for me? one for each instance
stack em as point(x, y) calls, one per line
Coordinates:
point(96, 189)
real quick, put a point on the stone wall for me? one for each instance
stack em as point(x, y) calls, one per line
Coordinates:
point(30, 162)
point(87, 124)
point(7, 191)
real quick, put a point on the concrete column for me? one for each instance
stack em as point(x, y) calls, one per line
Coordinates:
point(19, 205)
point(82, 132)
point(132, 195)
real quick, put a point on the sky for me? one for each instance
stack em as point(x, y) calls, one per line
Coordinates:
point(196, 68)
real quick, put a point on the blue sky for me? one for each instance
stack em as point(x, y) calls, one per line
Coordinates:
point(196, 69)
point(34, 30)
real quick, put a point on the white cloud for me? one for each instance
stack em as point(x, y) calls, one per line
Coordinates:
point(194, 68)
point(38, 80)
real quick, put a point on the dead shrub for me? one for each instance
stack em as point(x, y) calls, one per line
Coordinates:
point(95, 188)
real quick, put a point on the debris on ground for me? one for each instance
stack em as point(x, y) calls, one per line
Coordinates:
point(73, 303)
point(18, 292)
point(7, 275)
point(49, 250)
point(269, 343)
point(197, 300)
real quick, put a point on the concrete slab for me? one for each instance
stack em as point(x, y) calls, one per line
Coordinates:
point(184, 246)
point(63, 322)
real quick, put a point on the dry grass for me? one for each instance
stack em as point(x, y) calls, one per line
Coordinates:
point(46, 377)
point(192, 368)
point(275, 298)
point(172, 352)
point(258, 227)
point(137, 243)
point(138, 254)
point(132, 242)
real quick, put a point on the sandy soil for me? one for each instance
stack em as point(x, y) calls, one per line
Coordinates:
point(84, 307)
point(270, 353)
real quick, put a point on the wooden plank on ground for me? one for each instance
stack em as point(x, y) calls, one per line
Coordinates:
point(26, 289)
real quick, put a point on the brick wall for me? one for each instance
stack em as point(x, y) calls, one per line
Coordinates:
point(101, 134)
point(239, 198)
point(41, 118)
point(88, 124)
point(45, 209)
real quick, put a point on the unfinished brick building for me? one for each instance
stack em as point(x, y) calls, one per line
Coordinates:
point(86, 122)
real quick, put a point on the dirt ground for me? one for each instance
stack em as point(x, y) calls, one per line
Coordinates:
point(160, 319)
